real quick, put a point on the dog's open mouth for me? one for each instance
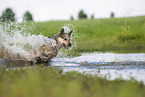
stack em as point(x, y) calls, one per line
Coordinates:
point(65, 46)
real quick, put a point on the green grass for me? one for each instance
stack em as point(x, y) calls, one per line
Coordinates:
point(118, 34)
point(114, 34)
point(39, 81)
point(101, 34)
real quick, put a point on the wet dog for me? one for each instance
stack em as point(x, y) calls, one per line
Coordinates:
point(47, 51)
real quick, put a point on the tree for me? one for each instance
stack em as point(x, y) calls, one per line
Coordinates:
point(112, 15)
point(71, 18)
point(92, 16)
point(8, 15)
point(82, 15)
point(27, 16)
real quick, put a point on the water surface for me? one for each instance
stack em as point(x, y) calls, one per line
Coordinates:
point(111, 65)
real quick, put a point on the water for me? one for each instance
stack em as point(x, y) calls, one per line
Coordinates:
point(15, 43)
point(111, 65)
point(98, 58)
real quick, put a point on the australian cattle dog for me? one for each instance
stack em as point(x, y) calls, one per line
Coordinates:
point(47, 52)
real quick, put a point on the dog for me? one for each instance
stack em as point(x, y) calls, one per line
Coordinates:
point(46, 52)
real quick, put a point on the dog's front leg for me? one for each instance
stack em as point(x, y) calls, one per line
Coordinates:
point(45, 54)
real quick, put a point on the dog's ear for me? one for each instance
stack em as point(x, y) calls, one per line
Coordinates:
point(62, 31)
point(69, 34)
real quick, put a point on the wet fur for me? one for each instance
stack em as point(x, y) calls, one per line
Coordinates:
point(45, 52)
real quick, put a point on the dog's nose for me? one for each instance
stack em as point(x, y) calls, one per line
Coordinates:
point(69, 44)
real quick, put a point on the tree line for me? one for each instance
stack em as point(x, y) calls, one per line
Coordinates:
point(9, 15)
point(83, 15)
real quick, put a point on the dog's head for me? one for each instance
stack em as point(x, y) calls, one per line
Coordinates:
point(63, 39)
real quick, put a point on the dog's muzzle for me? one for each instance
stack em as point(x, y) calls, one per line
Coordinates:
point(66, 45)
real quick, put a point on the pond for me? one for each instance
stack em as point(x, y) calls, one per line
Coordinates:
point(111, 65)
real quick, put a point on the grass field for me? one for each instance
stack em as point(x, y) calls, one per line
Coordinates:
point(116, 34)
point(39, 81)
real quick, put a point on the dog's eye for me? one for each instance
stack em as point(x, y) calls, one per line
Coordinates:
point(65, 39)
point(62, 37)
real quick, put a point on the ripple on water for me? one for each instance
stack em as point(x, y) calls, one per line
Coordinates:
point(112, 65)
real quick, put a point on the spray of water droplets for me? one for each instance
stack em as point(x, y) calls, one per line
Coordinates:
point(74, 36)
point(16, 42)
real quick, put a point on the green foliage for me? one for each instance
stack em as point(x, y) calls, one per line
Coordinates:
point(82, 15)
point(27, 17)
point(40, 81)
point(112, 15)
point(8, 15)
point(92, 16)
point(71, 18)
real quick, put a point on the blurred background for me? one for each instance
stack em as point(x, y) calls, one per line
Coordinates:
point(45, 10)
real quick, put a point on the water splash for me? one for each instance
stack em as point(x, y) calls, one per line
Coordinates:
point(67, 52)
point(16, 44)
point(16, 41)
